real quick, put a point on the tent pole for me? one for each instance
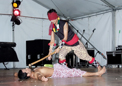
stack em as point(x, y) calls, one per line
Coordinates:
point(13, 27)
point(113, 30)
point(113, 23)
point(108, 4)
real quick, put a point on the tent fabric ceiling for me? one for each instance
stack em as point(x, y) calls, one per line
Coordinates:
point(72, 9)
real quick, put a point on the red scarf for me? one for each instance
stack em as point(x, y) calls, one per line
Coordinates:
point(50, 28)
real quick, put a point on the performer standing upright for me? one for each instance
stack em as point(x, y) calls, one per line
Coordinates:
point(69, 41)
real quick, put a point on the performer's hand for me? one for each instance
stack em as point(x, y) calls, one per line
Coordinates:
point(57, 50)
point(44, 79)
point(50, 57)
point(15, 74)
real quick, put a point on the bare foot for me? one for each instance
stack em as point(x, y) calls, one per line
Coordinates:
point(102, 71)
point(99, 68)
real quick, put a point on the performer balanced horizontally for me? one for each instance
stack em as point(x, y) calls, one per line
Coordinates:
point(69, 40)
point(58, 71)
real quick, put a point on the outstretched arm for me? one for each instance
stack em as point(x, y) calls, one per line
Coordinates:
point(51, 44)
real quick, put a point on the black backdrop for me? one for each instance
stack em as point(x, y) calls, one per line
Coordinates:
point(7, 54)
point(37, 49)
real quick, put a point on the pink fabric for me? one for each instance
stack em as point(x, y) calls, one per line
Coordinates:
point(64, 72)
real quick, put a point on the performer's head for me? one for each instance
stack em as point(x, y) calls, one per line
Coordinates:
point(52, 15)
point(24, 74)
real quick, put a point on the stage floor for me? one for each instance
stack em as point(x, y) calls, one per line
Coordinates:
point(112, 77)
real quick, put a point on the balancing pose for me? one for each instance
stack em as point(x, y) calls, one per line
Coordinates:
point(69, 41)
point(58, 70)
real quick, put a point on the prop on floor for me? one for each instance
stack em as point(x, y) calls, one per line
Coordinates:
point(48, 65)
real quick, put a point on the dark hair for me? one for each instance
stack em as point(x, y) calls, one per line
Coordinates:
point(22, 75)
point(51, 10)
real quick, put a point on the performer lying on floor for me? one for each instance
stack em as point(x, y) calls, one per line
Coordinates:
point(42, 73)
